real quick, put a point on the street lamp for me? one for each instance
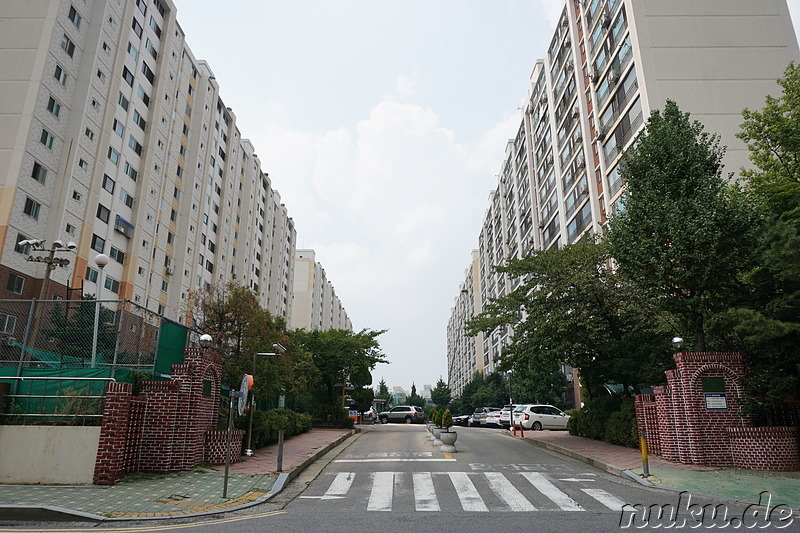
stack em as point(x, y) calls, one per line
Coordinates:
point(677, 343)
point(279, 349)
point(101, 260)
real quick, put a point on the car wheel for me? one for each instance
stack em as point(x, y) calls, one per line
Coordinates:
point(408, 420)
point(537, 426)
point(384, 420)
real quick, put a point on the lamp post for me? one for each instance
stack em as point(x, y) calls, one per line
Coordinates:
point(101, 260)
point(279, 349)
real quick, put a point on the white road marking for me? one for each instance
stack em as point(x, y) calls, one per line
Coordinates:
point(380, 499)
point(467, 493)
point(424, 493)
point(340, 486)
point(609, 500)
point(508, 492)
point(573, 479)
point(543, 485)
point(396, 460)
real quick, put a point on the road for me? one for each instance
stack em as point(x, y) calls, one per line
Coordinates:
point(392, 479)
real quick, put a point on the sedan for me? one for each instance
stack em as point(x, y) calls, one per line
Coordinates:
point(538, 417)
point(493, 419)
point(461, 420)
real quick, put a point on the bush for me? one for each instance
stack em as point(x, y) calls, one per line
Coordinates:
point(266, 425)
point(610, 418)
point(332, 417)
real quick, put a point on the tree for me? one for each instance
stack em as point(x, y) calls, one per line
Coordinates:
point(684, 233)
point(383, 391)
point(441, 394)
point(572, 308)
point(73, 330)
point(414, 398)
point(342, 358)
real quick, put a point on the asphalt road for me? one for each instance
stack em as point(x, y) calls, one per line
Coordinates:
point(392, 479)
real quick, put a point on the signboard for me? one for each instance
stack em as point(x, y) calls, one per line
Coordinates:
point(716, 401)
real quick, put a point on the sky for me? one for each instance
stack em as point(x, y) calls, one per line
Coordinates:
point(383, 126)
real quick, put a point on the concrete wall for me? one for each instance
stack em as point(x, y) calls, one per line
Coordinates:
point(58, 455)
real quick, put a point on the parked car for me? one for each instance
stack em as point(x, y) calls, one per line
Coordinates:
point(370, 416)
point(408, 414)
point(539, 416)
point(479, 416)
point(461, 420)
point(505, 415)
point(492, 419)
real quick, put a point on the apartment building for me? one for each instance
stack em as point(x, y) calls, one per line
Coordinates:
point(114, 136)
point(609, 63)
point(316, 305)
point(462, 351)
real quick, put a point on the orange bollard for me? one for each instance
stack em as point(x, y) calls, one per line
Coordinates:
point(521, 431)
point(513, 430)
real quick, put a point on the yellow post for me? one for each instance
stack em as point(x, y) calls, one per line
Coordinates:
point(643, 446)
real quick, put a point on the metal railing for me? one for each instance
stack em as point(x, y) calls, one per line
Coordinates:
point(55, 400)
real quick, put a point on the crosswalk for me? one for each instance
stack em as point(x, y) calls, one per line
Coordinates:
point(468, 491)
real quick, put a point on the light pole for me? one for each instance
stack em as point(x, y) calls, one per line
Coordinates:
point(279, 349)
point(101, 260)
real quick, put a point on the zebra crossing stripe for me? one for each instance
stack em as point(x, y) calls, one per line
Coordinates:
point(609, 500)
point(467, 493)
point(543, 485)
point(380, 499)
point(508, 492)
point(341, 484)
point(424, 493)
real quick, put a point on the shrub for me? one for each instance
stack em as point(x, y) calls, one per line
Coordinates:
point(447, 419)
point(432, 415)
point(266, 425)
point(332, 417)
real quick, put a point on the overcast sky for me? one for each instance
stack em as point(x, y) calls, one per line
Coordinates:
point(383, 125)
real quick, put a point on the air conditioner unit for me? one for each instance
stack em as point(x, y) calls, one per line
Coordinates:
point(543, 99)
point(580, 162)
point(564, 23)
point(577, 137)
point(169, 271)
point(605, 20)
point(602, 132)
point(576, 112)
point(549, 159)
point(613, 76)
point(592, 74)
point(584, 189)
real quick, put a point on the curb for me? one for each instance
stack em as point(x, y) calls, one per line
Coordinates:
point(54, 513)
point(598, 463)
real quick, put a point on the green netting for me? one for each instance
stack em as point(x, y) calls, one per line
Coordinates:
point(171, 345)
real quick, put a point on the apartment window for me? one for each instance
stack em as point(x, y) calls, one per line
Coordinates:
point(7, 323)
point(95, 105)
point(70, 229)
point(101, 75)
point(24, 250)
point(60, 75)
point(119, 129)
point(150, 48)
point(123, 102)
point(156, 28)
point(76, 196)
point(159, 7)
point(137, 28)
point(31, 208)
point(170, 238)
point(108, 183)
point(53, 106)
point(179, 172)
point(103, 213)
point(133, 143)
point(46, 139)
point(91, 274)
point(112, 23)
point(127, 76)
point(176, 193)
point(126, 198)
point(98, 243)
point(89, 133)
point(39, 173)
point(182, 151)
point(137, 118)
point(130, 171)
point(74, 16)
point(106, 48)
point(148, 73)
point(173, 215)
point(111, 284)
point(15, 283)
point(142, 5)
point(143, 96)
point(83, 164)
point(165, 285)
point(113, 155)
point(67, 45)
point(117, 255)
point(209, 266)
point(133, 51)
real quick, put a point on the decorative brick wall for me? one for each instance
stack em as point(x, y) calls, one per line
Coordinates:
point(163, 429)
point(685, 425)
point(216, 446)
point(766, 448)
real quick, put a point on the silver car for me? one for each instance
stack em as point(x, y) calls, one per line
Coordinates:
point(540, 416)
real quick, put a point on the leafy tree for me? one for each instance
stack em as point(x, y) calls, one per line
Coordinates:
point(383, 391)
point(414, 398)
point(341, 358)
point(73, 330)
point(572, 308)
point(684, 234)
point(440, 394)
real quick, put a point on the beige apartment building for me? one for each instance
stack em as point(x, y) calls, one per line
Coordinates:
point(114, 136)
point(316, 305)
point(609, 63)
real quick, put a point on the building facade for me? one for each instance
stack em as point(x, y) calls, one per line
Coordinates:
point(609, 63)
point(114, 136)
point(316, 305)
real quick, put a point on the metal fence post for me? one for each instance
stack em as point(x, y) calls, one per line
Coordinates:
point(119, 334)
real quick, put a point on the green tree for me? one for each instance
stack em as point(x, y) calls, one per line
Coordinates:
point(414, 398)
point(684, 234)
point(73, 330)
point(441, 394)
point(383, 391)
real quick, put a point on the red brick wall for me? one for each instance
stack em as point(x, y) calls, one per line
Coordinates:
point(216, 444)
point(767, 448)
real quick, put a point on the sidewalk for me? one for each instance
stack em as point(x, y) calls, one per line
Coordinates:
point(729, 483)
point(253, 479)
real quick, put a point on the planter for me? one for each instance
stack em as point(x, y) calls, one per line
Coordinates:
point(448, 439)
point(436, 432)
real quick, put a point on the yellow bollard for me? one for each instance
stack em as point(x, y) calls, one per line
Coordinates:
point(643, 446)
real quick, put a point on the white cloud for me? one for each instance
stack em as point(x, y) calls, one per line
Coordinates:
point(407, 83)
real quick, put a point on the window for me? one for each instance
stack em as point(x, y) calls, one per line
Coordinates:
point(46, 139)
point(165, 285)
point(74, 16)
point(113, 155)
point(83, 164)
point(76, 195)
point(67, 45)
point(133, 51)
point(91, 274)
point(31, 208)
point(15, 283)
point(170, 238)
point(127, 76)
point(8, 323)
point(89, 133)
point(137, 28)
point(117, 255)
point(123, 102)
point(98, 243)
point(137, 118)
point(53, 106)
point(148, 73)
point(150, 48)
point(130, 171)
point(143, 96)
point(60, 75)
point(70, 229)
point(156, 27)
point(142, 5)
point(24, 250)
point(185, 129)
point(126, 198)
point(119, 129)
point(101, 75)
point(111, 284)
point(108, 183)
point(103, 213)
point(133, 143)
point(39, 173)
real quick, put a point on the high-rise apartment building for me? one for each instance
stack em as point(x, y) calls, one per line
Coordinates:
point(114, 136)
point(462, 351)
point(316, 305)
point(609, 63)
